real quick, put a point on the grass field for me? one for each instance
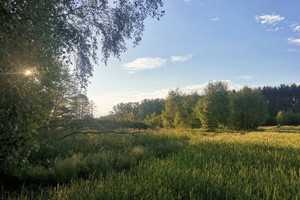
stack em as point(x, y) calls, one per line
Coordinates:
point(167, 164)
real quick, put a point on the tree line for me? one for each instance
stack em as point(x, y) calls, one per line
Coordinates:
point(217, 107)
point(282, 101)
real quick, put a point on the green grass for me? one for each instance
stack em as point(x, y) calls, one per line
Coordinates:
point(172, 164)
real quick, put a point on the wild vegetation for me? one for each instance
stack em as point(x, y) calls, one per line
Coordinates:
point(166, 164)
point(217, 107)
point(47, 48)
point(187, 146)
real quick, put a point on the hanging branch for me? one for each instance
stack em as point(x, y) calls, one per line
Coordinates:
point(97, 132)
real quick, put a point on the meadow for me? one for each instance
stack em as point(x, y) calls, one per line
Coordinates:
point(164, 164)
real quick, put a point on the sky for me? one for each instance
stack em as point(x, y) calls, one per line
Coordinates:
point(245, 43)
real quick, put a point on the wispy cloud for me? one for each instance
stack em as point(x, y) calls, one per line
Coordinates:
point(144, 63)
point(187, 0)
point(181, 58)
point(295, 27)
point(294, 41)
point(247, 77)
point(294, 50)
point(269, 19)
point(105, 102)
point(200, 88)
point(275, 29)
point(215, 19)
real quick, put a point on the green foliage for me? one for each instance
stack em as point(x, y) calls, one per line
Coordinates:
point(81, 156)
point(46, 36)
point(189, 104)
point(218, 108)
point(270, 120)
point(154, 121)
point(284, 97)
point(148, 107)
point(24, 106)
point(249, 109)
point(137, 112)
point(71, 29)
point(213, 109)
point(125, 111)
point(288, 118)
point(172, 114)
point(65, 169)
point(179, 110)
point(256, 165)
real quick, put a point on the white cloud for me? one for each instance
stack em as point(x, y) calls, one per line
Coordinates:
point(144, 63)
point(105, 102)
point(246, 77)
point(181, 58)
point(275, 29)
point(215, 19)
point(294, 41)
point(269, 19)
point(194, 88)
point(295, 27)
point(187, 0)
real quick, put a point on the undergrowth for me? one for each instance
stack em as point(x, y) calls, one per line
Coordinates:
point(167, 164)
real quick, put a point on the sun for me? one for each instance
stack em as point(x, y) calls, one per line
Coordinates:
point(28, 72)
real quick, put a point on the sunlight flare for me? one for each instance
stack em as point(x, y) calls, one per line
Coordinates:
point(28, 72)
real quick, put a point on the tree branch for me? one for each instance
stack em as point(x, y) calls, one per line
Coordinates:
point(96, 132)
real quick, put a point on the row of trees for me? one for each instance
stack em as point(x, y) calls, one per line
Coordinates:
point(288, 118)
point(282, 98)
point(217, 107)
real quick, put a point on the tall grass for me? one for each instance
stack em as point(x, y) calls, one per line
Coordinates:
point(185, 165)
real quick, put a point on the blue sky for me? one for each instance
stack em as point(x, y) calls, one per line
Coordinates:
point(252, 43)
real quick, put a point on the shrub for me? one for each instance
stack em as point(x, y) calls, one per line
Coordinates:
point(97, 163)
point(288, 118)
point(68, 168)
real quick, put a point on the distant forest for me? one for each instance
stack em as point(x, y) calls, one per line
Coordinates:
point(218, 107)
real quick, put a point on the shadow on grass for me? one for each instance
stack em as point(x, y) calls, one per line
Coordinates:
point(81, 156)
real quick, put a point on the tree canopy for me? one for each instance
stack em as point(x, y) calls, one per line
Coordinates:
point(249, 109)
point(213, 108)
point(47, 51)
point(37, 33)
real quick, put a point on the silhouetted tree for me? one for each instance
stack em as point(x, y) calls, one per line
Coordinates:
point(282, 98)
point(47, 36)
point(249, 109)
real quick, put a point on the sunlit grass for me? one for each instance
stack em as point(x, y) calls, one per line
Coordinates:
point(177, 164)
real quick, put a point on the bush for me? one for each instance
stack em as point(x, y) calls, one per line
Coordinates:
point(153, 121)
point(39, 173)
point(67, 168)
point(270, 120)
point(288, 118)
point(97, 163)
